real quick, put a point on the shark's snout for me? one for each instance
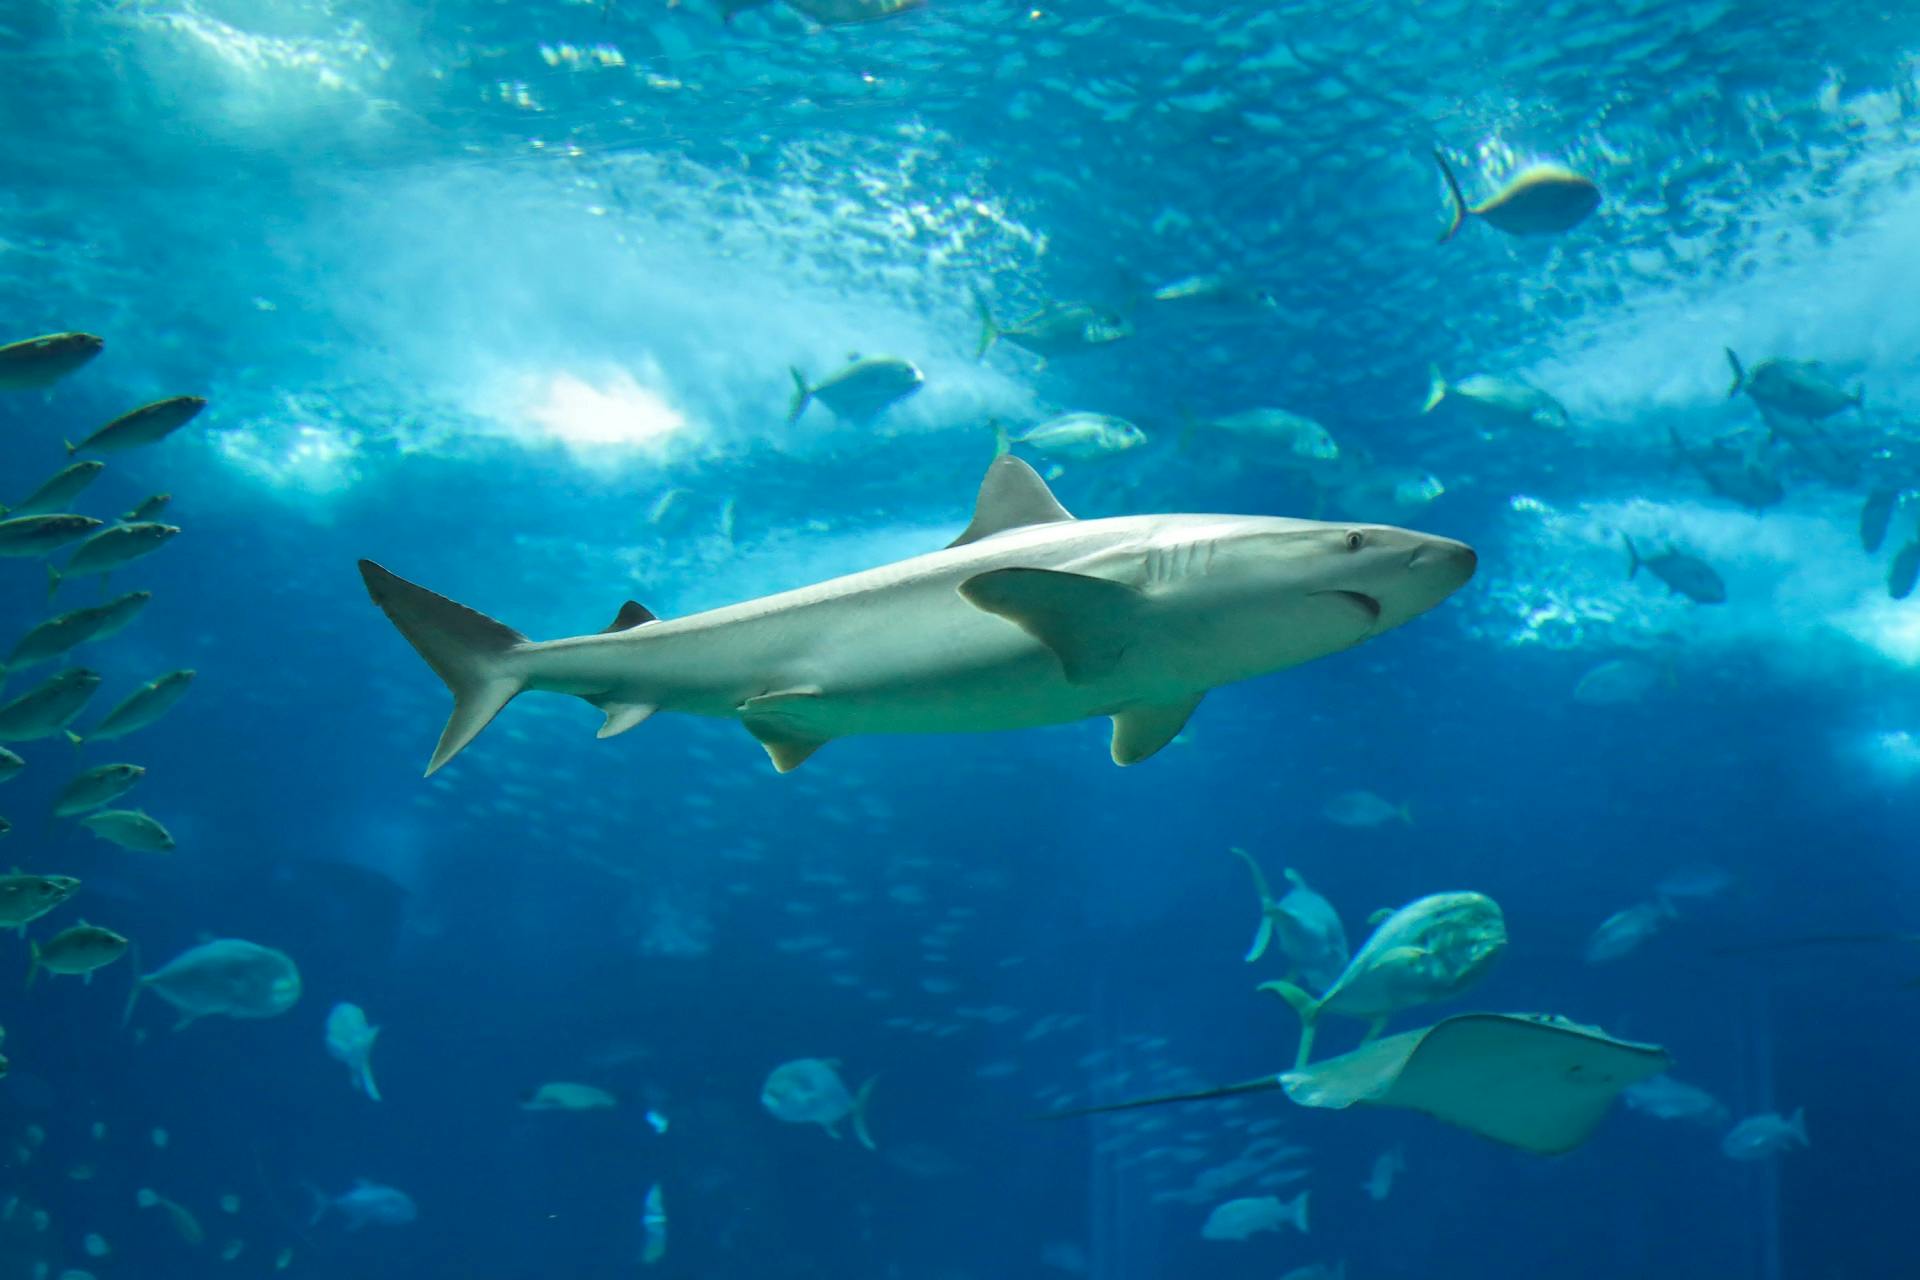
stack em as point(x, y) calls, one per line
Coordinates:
point(1443, 557)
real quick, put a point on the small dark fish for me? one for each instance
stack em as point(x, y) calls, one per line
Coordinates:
point(1797, 387)
point(1738, 474)
point(40, 362)
point(1540, 200)
point(1905, 568)
point(1057, 329)
point(1875, 516)
point(149, 424)
point(1688, 575)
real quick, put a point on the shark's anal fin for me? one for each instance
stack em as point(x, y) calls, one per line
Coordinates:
point(622, 716)
point(1012, 496)
point(1087, 622)
point(778, 721)
point(1139, 731)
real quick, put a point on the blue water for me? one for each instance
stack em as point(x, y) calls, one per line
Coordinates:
point(504, 297)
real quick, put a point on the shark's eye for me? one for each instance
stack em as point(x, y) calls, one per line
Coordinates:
point(1355, 539)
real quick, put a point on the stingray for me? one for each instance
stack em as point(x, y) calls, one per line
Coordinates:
point(1536, 1082)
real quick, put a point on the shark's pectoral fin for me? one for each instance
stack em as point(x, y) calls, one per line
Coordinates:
point(1012, 496)
point(779, 721)
point(1140, 731)
point(622, 716)
point(1087, 622)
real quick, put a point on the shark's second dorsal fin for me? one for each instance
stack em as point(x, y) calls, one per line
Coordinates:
point(632, 614)
point(1012, 496)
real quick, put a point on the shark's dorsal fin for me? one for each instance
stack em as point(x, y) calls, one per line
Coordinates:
point(632, 614)
point(1087, 622)
point(1012, 496)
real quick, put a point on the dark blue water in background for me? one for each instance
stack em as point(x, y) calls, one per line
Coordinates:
point(334, 221)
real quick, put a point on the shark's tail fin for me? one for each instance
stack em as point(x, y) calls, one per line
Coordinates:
point(1436, 389)
point(860, 1100)
point(1634, 562)
point(802, 396)
point(466, 649)
point(139, 985)
point(989, 331)
point(1459, 201)
point(1739, 374)
point(1306, 1006)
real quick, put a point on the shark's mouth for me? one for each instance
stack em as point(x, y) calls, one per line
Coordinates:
point(1359, 600)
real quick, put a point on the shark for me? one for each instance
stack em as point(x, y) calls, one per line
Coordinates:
point(1030, 617)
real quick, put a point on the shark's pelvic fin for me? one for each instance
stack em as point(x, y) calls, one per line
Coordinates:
point(1011, 497)
point(778, 720)
point(465, 648)
point(622, 716)
point(1087, 622)
point(1140, 731)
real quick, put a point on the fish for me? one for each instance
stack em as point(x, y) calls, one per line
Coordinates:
point(140, 708)
point(1299, 439)
point(230, 977)
point(1766, 1134)
point(827, 13)
point(1318, 1271)
point(365, 1204)
point(1903, 570)
point(1684, 575)
point(1493, 401)
point(1798, 388)
point(1624, 931)
point(130, 829)
point(58, 491)
point(1432, 949)
point(1741, 475)
point(653, 1227)
point(94, 787)
point(1387, 1166)
point(78, 950)
point(1364, 809)
point(25, 898)
point(110, 548)
point(1875, 517)
point(1540, 200)
point(862, 391)
point(47, 707)
point(810, 1091)
point(1029, 617)
point(1309, 929)
point(1081, 437)
point(562, 1096)
point(1057, 329)
point(148, 508)
point(1695, 880)
point(68, 631)
point(350, 1040)
point(1666, 1098)
point(1246, 1217)
point(34, 364)
point(149, 424)
point(657, 1121)
point(1215, 292)
point(39, 535)
point(1615, 682)
point(184, 1223)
